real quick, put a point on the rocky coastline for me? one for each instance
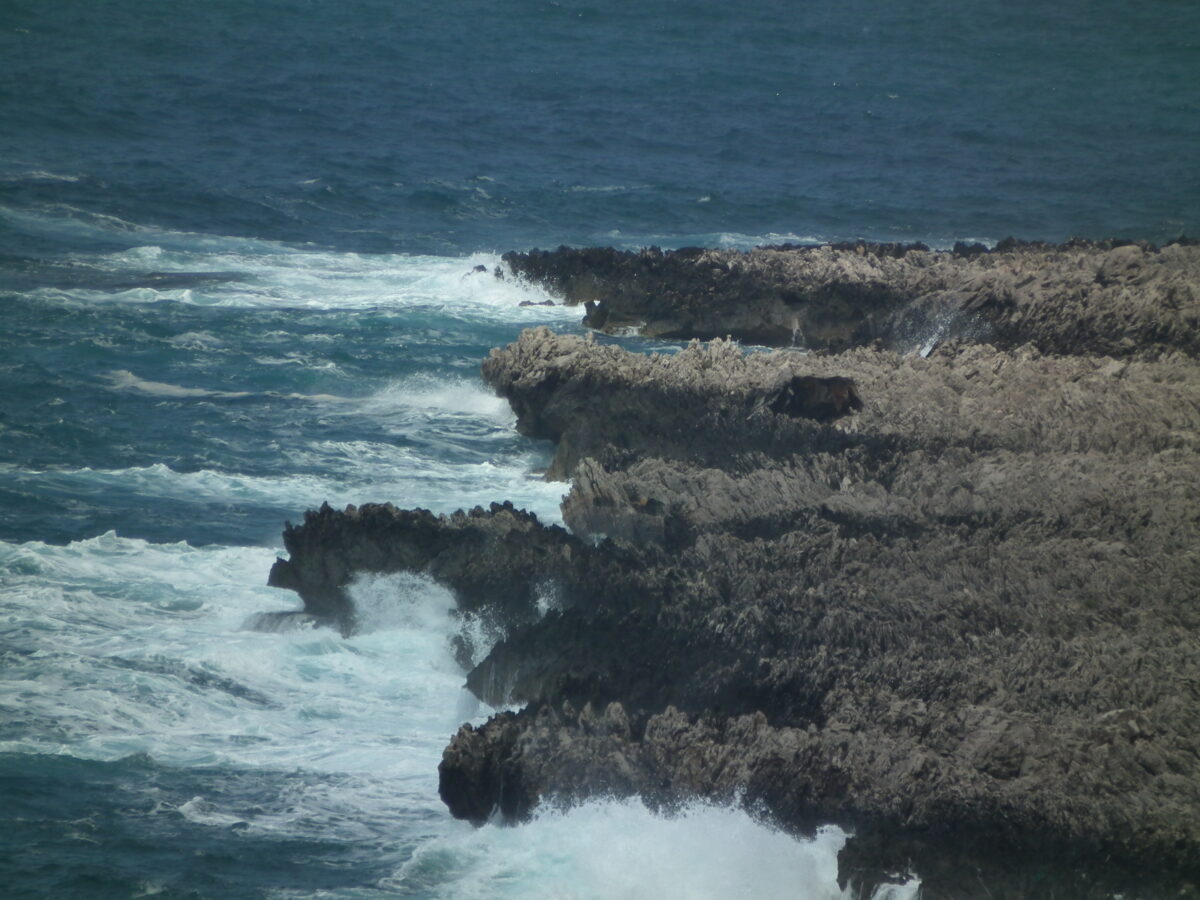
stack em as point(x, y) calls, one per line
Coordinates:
point(936, 582)
point(1115, 298)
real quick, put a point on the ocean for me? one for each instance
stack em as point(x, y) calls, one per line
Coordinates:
point(238, 278)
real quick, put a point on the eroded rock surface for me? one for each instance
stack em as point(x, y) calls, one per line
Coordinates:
point(1111, 298)
point(495, 560)
point(949, 600)
point(961, 616)
point(708, 403)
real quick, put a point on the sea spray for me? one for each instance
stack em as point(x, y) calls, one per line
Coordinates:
point(131, 654)
point(157, 663)
point(618, 848)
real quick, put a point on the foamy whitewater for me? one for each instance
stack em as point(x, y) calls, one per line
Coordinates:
point(293, 762)
point(247, 256)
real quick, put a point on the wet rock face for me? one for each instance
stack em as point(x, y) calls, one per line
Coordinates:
point(559, 756)
point(478, 777)
point(1100, 298)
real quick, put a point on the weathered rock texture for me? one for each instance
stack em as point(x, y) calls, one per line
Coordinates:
point(1114, 298)
point(963, 615)
point(949, 601)
point(591, 399)
point(496, 560)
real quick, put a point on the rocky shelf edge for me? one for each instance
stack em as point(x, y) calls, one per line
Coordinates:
point(1116, 298)
point(923, 618)
point(946, 601)
point(494, 560)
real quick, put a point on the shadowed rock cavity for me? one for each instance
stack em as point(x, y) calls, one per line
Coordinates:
point(495, 561)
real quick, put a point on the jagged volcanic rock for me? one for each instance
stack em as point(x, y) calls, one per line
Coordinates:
point(712, 405)
point(1112, 298)
point(587, 397)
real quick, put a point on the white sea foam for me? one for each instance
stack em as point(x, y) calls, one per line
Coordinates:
point(401, 601)
point(202, 812)
point(196, 340)
point(137, 649)
point(271, 274)
point(371, 473)
point(725, 240)
point(126, 647)
point(124, 380)
point(616, 848)
point(312, 279)
point(431, 394)
point(604, 188)
point(39, 175)
point(734, 240)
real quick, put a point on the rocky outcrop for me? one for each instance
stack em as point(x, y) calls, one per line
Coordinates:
point(1107, 298)
point(496, 561)
point(800, 778)
point(959, 618)
point(713, 404)
point(592, 400)
point(947, 600)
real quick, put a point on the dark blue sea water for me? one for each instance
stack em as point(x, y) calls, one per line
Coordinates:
point(237, 243)
point(446, 128)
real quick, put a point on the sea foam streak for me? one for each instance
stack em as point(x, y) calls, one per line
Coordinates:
point(732, 240)
point(344, 472)
point(408, 479)
point(257, 273)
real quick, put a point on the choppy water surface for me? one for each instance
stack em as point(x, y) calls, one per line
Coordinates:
point(238, 251)
point(152, 740)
